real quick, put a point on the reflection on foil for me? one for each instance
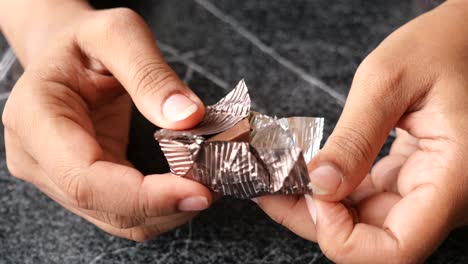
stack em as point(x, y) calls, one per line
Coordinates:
point(301, 132)
point(226, 113)
point(273, 162)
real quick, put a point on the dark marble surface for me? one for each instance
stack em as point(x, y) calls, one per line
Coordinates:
point(298, 58)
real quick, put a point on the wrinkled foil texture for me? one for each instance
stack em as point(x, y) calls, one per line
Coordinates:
point(273, 162)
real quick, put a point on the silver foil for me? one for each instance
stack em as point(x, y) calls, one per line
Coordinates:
point(301, 132)
point(274, 161)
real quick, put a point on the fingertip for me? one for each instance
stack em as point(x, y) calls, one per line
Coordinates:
point(384, 174)
point(170, 104)
point(192, 120)
point(197, 197)
point(331, 214)
point(171, 191)
point(311, 208)
point(328, 180)
point(325, 179)
point(182, 111)
point(189, 187)
point(193, 204)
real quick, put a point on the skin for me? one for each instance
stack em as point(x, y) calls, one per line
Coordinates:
point(416, 80)
point(67, 118)
point(78, 91)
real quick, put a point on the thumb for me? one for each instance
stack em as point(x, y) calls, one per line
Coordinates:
point(343, 241)
point(136, 62)
point(374, 106)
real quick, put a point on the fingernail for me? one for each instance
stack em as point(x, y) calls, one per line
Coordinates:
point(178, 107)
point(311, 207)
point(195, 203)
point(325, 179)
point(255, 200)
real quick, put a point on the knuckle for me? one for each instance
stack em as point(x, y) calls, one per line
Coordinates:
point(144, 233)
point(380, 73)
point(125, 14)
point(352, 142)
point(120, 18)
point(10, 113)
point(14, 169)
point(399, 256)
point(109, 24)
point(121, 222)
point(14, 158)
point(146, 206)
point(75, 187)
point(381, 86)
point(280, 218)
point(330, 252)
point(384, 80)
point(334, 252)
point(7, 117)
point(150, 76)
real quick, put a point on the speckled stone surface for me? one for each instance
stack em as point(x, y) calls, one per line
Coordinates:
point(298, 58)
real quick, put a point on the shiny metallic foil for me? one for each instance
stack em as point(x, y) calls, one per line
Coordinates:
point(273, 162)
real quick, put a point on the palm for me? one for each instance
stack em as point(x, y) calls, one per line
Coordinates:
point(104, 107)
point(111, 123)
point(97, 113)
point(400, 184)
point(391, 179)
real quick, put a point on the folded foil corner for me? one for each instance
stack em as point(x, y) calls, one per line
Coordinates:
point(273, 162)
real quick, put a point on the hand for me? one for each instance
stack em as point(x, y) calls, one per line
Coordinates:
point(67, 123)
point(416, 80)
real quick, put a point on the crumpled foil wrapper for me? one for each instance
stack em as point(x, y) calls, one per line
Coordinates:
point(273, 162)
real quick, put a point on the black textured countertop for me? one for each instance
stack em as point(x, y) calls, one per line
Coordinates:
point(298, 58)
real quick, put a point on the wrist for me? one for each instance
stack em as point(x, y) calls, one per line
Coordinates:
point(31, 25)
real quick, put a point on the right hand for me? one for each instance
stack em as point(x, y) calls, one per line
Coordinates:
point(67, 123)
point(415, 80)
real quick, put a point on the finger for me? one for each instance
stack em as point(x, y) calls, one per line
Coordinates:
point(138, 233)
point(136, 62)
point(73, 160)
point(114, 141)
point(22, 166)
point(127, 222)
point(404, 144)
point(289, 211)
point(364, 190)
point(375, 103)
point(374, 209)
point(399, 239)
point(19, 163)
point(385, 173)
point(43, 183)
point(122, 190)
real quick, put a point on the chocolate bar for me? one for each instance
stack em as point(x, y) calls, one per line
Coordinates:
point(238, 133)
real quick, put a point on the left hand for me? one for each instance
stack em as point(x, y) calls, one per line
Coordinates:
point(67, 124)
point(416, 80)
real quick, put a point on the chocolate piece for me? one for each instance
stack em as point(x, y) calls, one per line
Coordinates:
point(238, 133)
